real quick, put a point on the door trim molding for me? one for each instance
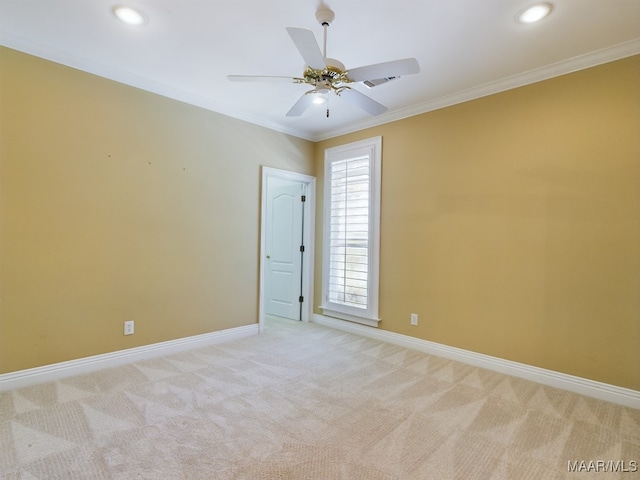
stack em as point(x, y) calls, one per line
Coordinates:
point(309, 238)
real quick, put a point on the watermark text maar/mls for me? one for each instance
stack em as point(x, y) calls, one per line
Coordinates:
point(603, 466)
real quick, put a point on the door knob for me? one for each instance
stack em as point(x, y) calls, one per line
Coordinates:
point(268, 257)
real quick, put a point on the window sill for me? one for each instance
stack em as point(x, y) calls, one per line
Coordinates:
point(370, 322)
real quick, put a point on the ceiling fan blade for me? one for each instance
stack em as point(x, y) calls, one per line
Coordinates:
point(364, 102)
point(395, 68)
point(260, 78)
point(306, 44)
point(301, 105)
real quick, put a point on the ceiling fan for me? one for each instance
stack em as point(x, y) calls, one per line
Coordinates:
point(328, 75)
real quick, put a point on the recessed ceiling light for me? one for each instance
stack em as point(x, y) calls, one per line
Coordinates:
point(535, 13)
point(129, 15)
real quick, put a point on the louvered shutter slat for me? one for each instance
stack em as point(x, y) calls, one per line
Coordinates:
point(349, 232)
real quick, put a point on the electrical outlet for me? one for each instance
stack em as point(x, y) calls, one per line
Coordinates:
point(414, 319)
point(128, 327)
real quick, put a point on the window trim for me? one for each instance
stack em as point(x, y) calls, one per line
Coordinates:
point(370, 315)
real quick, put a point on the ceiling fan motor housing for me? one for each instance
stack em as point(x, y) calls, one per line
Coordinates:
point(333, 77)
point(333, 64)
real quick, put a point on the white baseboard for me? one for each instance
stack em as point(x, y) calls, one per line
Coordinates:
point(583, 386)
point(56, 371)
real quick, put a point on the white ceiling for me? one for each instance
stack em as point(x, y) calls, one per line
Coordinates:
point(465, 48)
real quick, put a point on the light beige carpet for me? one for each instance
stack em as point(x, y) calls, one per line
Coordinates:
point(304, 401)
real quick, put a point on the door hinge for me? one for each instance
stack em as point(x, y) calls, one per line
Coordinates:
point(301, 299)
point(301, 248)
point(304, 198)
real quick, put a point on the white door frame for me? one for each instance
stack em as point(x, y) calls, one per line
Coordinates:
point(308, 238)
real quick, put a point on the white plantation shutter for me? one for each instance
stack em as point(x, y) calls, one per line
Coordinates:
point(352, 184)
point(349, 232)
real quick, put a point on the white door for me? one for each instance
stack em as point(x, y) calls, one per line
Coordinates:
point(284, 238)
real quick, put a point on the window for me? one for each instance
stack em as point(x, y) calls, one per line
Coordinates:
point(352, 231)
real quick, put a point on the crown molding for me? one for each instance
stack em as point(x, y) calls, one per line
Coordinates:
point(581, 62)
point(131, 79)
point(557, 69)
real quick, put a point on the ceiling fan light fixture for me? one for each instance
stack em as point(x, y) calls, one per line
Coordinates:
point(129, 15)
point(535, 13)
point(319, 98)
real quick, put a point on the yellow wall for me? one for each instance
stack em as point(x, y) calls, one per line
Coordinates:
point(511, 224)
point(117, 204)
